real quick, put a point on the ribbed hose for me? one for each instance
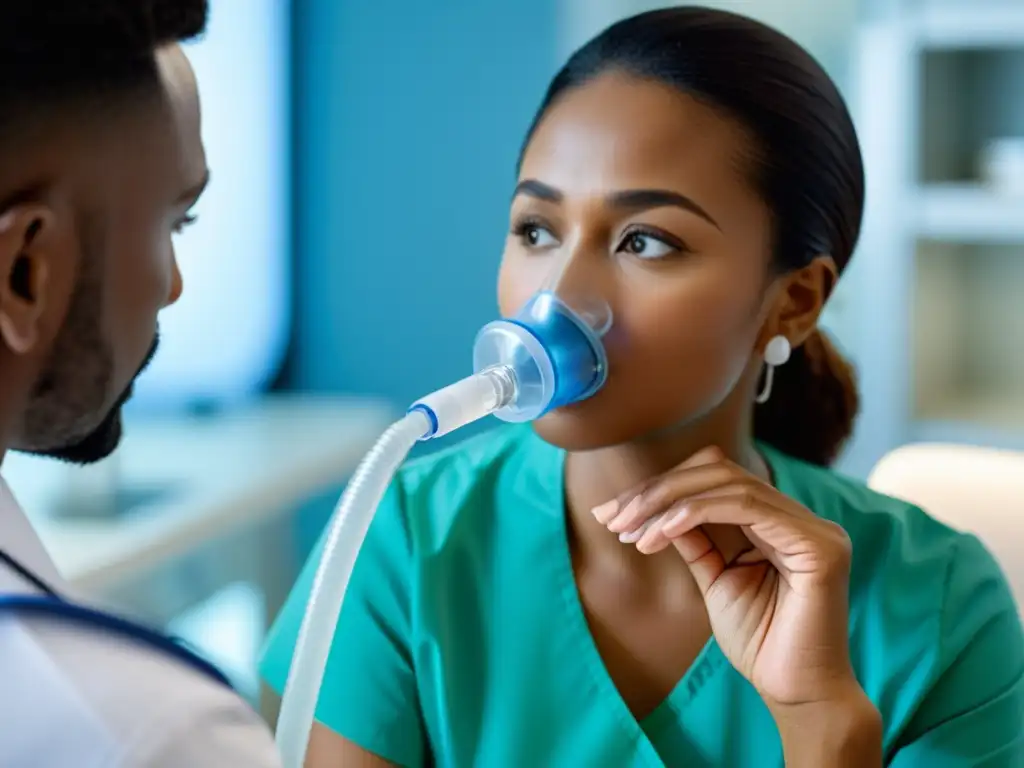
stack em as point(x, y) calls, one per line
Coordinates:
point(349, 525)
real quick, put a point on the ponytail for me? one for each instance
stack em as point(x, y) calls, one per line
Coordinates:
point(813, 403)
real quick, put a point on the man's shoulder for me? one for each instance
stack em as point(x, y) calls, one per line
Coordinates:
point(115, 700)
point(222, 731)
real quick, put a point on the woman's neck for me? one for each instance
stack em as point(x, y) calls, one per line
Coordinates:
point(594, 477)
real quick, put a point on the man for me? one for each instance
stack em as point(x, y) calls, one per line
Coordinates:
point(101, 162)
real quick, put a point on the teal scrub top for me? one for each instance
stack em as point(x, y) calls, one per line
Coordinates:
point(463, 642)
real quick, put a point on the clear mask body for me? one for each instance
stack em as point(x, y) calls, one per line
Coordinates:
point(553, 344)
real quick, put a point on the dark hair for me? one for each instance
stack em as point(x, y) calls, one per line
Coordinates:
point(807, 167)
point(55, 53)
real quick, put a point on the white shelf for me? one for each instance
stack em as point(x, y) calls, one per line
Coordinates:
point(1004, 411)
point(968, 213)
point(966, 433)
point(933, 81)
point(974, 25)
point(995, 421)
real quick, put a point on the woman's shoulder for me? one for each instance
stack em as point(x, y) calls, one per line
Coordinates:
point(928, 603)
point(467, 461)
point(890, 536)
point(459, 489)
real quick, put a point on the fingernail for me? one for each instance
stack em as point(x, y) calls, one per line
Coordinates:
point(632, 537)
point(605, 512)
point(6, 220)
point(675, 521)
point(621, 521)
point(651, 536)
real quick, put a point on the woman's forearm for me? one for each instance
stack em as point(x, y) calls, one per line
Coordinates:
point(845, 733)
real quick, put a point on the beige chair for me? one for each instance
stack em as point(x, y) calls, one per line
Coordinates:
point(978, 490)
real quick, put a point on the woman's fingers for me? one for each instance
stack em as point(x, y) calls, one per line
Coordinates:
point(625, 513)
point(654, 534)
point(687, 480)
point(793, 544)
point(705, 562)
point(743, 505)
point(707, 489)
point(640, 532)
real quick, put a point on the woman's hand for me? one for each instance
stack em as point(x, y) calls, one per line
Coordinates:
point(778, 607)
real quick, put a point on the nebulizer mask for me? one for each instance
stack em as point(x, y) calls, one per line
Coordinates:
point(550, 354)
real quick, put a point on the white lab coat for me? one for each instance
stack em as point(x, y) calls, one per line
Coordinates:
point(75, 697)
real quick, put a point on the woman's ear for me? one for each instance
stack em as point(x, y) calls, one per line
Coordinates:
point(24, 274)
point(801, 298)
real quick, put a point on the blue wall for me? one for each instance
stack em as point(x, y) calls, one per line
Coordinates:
point(409, 118)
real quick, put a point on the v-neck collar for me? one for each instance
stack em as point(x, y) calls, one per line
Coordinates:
point(706, 667)
point(20, 541)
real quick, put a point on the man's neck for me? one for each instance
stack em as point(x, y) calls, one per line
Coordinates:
point(11, 406)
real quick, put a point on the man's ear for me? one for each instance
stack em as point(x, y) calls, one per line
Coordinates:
point(25, 266)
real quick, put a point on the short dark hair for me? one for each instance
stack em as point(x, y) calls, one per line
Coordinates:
point(59, 52)
point(807, 167)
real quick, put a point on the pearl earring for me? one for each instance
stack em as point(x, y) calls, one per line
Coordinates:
point(775, 354)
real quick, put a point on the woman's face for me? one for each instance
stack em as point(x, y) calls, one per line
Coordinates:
point(636, 194)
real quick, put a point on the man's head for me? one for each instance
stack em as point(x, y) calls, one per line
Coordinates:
point(100, 161)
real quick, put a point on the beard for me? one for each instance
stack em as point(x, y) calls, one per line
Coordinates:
point(95, 446)
point(105, 437)
point(68, 416)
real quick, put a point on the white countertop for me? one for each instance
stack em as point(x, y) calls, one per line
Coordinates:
point(225, 473)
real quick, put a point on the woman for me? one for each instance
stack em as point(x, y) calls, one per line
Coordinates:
point(668, 573)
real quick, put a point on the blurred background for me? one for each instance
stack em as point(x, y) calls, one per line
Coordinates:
point(363, 156)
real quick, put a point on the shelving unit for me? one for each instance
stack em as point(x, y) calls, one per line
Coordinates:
point(964, 212)
point(940, 341)
point(955, 24)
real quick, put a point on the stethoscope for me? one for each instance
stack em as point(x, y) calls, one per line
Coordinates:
point(51, 604)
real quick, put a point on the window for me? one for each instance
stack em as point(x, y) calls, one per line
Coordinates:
point(225, 339)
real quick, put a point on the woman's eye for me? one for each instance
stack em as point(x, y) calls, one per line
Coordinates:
point(537, 237)
point(646, 246)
